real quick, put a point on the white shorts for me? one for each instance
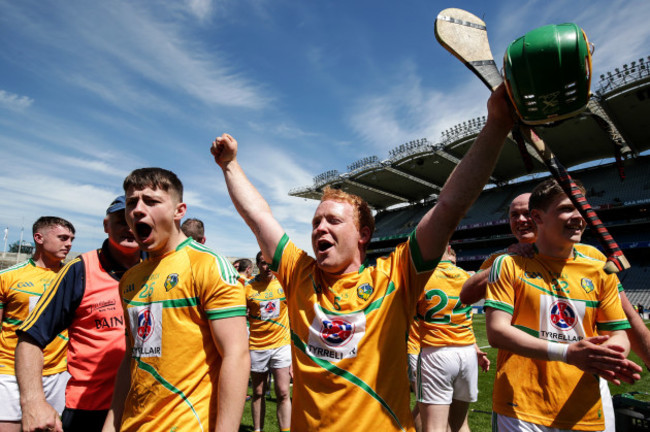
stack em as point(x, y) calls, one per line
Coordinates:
point(608, 406)
point(53, 386)
point(413, 367)
point(501, 423)
point(275, 358)
point(447, 373)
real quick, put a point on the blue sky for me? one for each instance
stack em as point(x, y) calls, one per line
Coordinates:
point(91, 90)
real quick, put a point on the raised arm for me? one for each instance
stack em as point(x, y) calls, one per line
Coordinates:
point(474, 288)
point(467, 180)
point(250, 204)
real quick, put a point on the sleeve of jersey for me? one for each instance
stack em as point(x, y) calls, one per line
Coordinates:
point(488, 262)
point(610, 315)
point(500, 293)
point(56, 308)
point(222, 296)
point(286, 259)
point(415, 271)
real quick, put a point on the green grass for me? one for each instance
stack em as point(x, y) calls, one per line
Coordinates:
point(480, 412)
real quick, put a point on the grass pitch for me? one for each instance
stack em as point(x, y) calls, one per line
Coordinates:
point(480, 412)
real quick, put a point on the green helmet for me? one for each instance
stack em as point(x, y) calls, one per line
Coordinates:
point(548, 73)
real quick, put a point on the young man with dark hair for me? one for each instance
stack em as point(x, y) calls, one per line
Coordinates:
point(20, 288)
point(193, 227)
point(549, 313)
point(85, 300)
point(447, 370)
point(187, 362)
point(244, 267)
point(349, 320)
point(269, 343)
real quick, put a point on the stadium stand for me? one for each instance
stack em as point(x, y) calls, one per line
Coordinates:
point(606, 147)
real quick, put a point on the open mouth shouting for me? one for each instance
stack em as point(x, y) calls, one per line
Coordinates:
point(143, 232)
point(324, 245)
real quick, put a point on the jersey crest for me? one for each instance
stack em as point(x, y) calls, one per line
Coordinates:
point(171, 281)
point(364, 291)
point(587, 285)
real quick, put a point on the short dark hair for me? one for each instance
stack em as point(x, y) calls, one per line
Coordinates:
point(49, 222)
point(548, 191)
point(193, 228)
point(259, 257)
point(155, 178)
point(243, 264)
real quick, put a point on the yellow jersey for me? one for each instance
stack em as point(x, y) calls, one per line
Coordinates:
point(413, 341)
point(349, 338)
point(20, 288)
point(168, 305)
point(267, 314)
point(444, 320)
point(562, 301)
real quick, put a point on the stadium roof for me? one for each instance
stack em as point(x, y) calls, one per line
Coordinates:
point(416, 170)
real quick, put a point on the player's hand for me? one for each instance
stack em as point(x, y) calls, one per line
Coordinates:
point(607, 361)
point(526, 250)
point(39, 416)
point(483, 360)
point(500, 109)
point(224, 149)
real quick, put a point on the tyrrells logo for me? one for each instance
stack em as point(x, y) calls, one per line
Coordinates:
point(334, 337)
point(563, 317)
point(146, 325)
point(337, 332)
point(270, 309)
point(171, 281)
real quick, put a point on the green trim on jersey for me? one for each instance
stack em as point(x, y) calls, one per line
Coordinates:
point(495, 269)
point(18, 266)
point(613, 325)
point(500, 305)
point(174, 303)
point(226, 270)
point(154, 373)
point(277, 256)
point(26, 292)
point(329, 367)
point(420, 264)
point(369, 308)
point(589, 303)
point(270, 321)
point(12, 321)
point(230, 312)
point(528, 330)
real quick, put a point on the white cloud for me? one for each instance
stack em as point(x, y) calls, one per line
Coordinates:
point(407, 110)
point(202, 9)
point(15, 102)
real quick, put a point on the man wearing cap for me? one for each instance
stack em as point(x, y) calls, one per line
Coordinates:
point(84, 299)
